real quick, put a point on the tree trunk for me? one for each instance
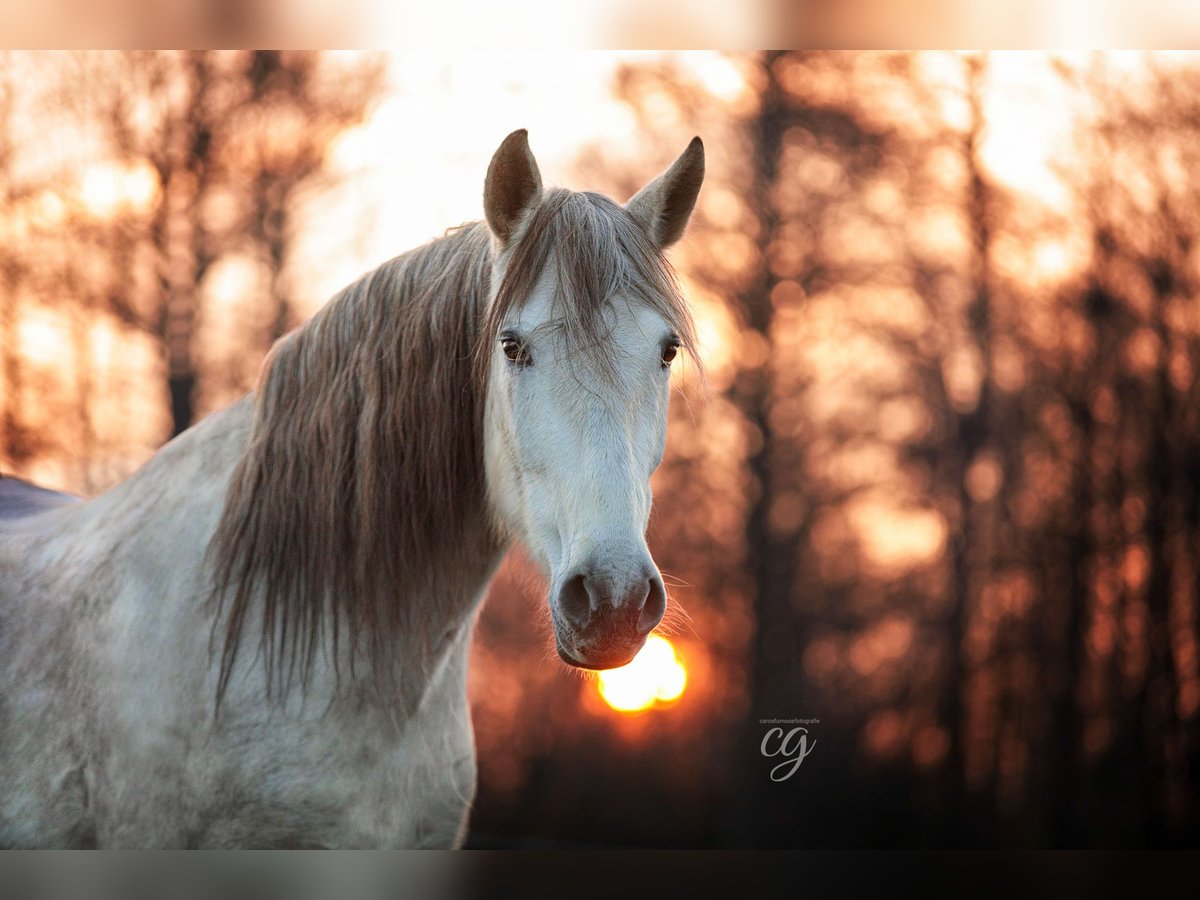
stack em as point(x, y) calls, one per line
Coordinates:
point(777, 643)
point(1157, 697)
point(967, 560)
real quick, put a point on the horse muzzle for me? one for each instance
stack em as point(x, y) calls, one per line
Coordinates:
point(601, 619)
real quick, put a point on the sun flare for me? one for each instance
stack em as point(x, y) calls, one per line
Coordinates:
point(655, 677)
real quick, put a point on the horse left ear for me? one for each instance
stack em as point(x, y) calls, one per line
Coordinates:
point(513, 186)
point(664, 205)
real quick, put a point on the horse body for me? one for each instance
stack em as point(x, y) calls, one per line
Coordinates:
point(107, 734)
point(260, 638)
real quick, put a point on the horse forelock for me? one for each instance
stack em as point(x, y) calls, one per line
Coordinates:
point(596, 253)
point(356, 521)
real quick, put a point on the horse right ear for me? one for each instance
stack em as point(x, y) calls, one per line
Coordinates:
point(512, 188)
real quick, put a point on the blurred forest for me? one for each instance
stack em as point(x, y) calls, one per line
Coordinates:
point(941, 491)
point(134, 190)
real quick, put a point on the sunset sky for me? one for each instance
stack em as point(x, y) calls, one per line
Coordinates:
point(416, 167)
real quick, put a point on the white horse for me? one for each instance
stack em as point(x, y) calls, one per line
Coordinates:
point(260, 638)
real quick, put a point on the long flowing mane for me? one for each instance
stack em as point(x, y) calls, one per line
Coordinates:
point(356, 521)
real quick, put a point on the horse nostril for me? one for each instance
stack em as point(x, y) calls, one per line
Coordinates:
point(654, 607)
point(588, 602)
point(574, 602)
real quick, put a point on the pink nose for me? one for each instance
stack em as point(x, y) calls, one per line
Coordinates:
point(608, 618)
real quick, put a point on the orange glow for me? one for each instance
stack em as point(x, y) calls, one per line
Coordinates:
point(655, 677)
point(106, 189)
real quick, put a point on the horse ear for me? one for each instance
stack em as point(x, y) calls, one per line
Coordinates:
point(664, 205)
point(513, 186)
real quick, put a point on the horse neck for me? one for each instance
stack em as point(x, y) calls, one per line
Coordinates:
point(165, 515)
point(358, 511)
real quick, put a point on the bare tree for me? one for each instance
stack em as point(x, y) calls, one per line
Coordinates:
point(232, 139)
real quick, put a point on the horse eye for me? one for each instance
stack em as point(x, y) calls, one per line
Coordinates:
point(669, 351)
point(515, 351)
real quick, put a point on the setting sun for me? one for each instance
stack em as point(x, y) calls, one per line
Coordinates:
point(654, 677)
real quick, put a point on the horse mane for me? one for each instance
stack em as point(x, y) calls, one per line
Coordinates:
point(356, 519)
